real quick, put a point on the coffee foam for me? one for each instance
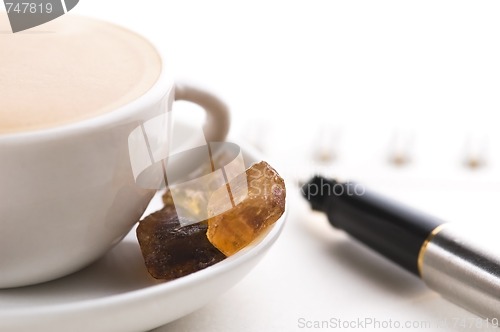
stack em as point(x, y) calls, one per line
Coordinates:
point(70, 69)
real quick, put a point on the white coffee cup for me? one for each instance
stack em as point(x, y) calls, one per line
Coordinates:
point(69, 193)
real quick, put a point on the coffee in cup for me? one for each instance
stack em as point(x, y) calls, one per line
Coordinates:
point(70, 69)
point(84, 106)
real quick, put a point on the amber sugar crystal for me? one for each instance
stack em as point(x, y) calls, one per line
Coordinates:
point(262, 204)
point(173, 247)
point(171, 251)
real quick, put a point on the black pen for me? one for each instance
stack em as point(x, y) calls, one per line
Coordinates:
point(451, 263)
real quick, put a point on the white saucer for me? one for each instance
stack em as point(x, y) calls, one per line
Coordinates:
point(117, 294)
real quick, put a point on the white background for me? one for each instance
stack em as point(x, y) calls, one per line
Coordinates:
point(362, 78)
point(359, 73)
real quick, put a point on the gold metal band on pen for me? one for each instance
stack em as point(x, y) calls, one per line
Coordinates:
point(423, 248)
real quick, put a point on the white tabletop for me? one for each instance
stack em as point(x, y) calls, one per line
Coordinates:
point(363, 73)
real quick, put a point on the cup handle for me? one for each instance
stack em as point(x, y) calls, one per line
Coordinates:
point(217, 123)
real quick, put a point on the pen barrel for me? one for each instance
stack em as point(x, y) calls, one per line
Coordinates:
point(395, 231)
point(464, 271)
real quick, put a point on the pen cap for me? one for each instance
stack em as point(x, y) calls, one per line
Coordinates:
point(464, 267)
point(388, 227)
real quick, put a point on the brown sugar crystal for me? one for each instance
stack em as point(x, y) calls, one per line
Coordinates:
point(171, 251)
point(252, 212)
